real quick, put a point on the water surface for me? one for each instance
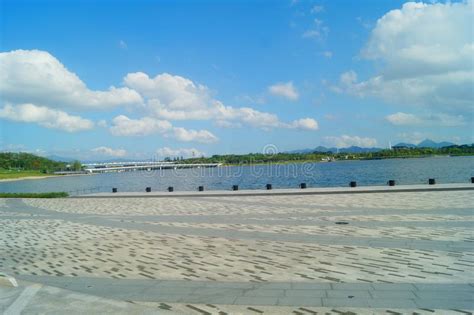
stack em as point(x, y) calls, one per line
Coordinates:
point(340, 173)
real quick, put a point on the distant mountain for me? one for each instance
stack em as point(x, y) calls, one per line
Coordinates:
point(427, 143)
point(60, 158)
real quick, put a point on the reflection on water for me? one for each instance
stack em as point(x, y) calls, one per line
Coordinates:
point(373, 172)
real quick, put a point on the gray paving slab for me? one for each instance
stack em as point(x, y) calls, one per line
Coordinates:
point(265, 292)
point(393, 294)
point(445, 304)
point(253, 300)
point(446, 295)
point(357, 294)
point(394, 286)
point(392, 303)
point(300, 301)
point(305, 293)
point(345, 302)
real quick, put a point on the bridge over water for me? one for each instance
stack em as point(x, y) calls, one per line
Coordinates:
point(137, 166)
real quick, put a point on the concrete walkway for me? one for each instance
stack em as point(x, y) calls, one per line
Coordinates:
point(379, 295)
point(290, 253)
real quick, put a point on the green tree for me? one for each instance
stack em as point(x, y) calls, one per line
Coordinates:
point(77, 166)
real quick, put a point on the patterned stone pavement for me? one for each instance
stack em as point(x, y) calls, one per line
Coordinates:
point(355, 253)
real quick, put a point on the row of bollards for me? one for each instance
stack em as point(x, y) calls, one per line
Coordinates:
point(431, 181)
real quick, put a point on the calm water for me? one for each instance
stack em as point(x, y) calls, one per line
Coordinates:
point(373, 172)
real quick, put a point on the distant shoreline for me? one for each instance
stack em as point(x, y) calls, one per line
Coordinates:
point(35, 177)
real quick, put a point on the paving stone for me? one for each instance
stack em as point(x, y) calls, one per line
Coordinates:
point(345, 302)
point(392, 303)
point(348, 294)
point(265, 292)
point(386, 294)
point(252, 300)
point(305, 293)
point(300, 301)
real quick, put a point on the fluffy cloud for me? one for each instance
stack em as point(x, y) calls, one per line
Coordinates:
point(109, 151)
point(174, 97)
point(202, 136)
point(319, 31)
point(124, 126)
point(347, 141)
point(317, 9)
point(286, 90)
point(46, 117)
point(34, 76)
point(403, 119)
point(168, 152)
point(304, 124)
point(426, 55)
point(400, 119)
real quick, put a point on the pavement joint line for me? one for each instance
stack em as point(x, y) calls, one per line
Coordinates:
point(22, 300)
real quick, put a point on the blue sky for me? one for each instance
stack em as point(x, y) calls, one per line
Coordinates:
point(213, 77)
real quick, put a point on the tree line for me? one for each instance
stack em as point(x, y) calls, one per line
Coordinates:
point(27, 161)
point(260, 158)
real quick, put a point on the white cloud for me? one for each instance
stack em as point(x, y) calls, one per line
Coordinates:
point(304, 124)
point(426, 52)
point(37, 77)
point(109, 151)
point(317, 9)
point(124, 126)
point(202, 136)
point(311, 34)
point(174, 92)
point(439, 120)
point(400, 119)
point(347, 141)
point(46, 117)
point(286, 90)
point(319, 31)
point(177, 98)
point(185, 152)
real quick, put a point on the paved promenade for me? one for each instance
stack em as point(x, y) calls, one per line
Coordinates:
point(360, 253)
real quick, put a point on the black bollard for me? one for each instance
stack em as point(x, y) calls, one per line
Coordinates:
point(303, 185)
point(353, 184)
point(170, 189)
point(391, 182)
point(269, 186)
point(201, 188)
point(235, 187)
point(431, 181)
point(472, 180)
point(114, 190)
point(148, 189)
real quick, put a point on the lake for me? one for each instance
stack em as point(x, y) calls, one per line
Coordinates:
point(333, 174)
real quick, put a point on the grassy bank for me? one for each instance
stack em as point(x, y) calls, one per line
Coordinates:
point(14, 174)
point(34, 195)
